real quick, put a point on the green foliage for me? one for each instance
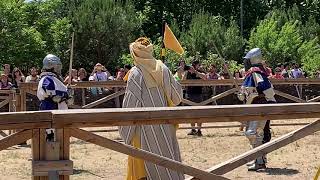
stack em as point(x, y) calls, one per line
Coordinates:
point(285, 30)
point(29, 31)
point(206, 31)
point(309, 52)
point(104, 29)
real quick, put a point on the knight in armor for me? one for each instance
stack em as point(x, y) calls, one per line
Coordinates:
point(257, 89)
point(52, 93)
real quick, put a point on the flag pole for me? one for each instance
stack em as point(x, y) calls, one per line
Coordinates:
point(163, 48)
point(71, 60)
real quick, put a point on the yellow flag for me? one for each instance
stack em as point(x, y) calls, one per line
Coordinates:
point(170, 41)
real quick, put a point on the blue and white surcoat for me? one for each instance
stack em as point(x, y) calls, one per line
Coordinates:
point(52, 93)
point(256, 83)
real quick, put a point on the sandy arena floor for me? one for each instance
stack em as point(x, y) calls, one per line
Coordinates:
point(299, 160)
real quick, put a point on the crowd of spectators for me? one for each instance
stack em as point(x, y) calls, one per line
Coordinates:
point(198, 71)
point(12, 78)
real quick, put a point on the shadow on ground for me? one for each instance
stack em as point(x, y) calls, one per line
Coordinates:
point(82, 171)
point(281, 171)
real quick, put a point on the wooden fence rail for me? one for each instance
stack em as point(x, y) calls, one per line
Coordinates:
point(51, 159)
point(32, 87)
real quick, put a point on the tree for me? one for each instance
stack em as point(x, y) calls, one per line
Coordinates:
point(206, 31)
point(278, 36)
point(104, 29)
point(30, 30)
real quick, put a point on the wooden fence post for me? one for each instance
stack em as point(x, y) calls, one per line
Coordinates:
point(50, 160)
point(117, 99)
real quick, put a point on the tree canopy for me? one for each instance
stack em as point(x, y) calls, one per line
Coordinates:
point(285, 30)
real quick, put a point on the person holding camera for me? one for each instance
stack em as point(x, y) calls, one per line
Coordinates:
point(194, 93)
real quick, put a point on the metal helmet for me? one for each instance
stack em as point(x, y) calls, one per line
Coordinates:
point(52, 62)
point(253, 57)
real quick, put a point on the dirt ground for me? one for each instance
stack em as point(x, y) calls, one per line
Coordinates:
point(299, 160)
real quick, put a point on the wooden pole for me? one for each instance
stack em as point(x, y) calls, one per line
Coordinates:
point(145, 155)
point(275, 144)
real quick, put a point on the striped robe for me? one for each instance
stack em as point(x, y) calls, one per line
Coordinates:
point(159, 139)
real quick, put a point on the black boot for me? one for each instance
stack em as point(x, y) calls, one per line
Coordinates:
point(50, 137)
point(192, 132)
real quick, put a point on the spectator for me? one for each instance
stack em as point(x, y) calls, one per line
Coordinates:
point(181, 71)
point(237, 75)
point(18, 77)
point(318, 74)
point(127, 68)
point(285, 72)
point(74, 78)
point(296, 72)
point(242, 72)
point(213, 72)
point(99, 73)
point(268, 70)
point(194, 93)
point(278, 74)
point(4, 82)
point(120, 74)
point(33, 77)
point(82, 75)
point(224, 73)
point(7, 71)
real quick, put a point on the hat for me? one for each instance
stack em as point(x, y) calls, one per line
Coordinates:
point(253, 53)
point(3, 75)
point(98, 64)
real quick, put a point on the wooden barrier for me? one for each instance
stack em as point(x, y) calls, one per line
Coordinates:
point(52, 159)
point(32, 87)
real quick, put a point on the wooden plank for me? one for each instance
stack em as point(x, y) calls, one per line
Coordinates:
point(66, 144)
point(145, 155)
point(83, 96)
point(66, 148)
point(219, 96)
point(52, 150)
point(290, 97)
point(191, 103)
point(35, 148)
point(22, 125)
point(314, 99)
point(117, 99)
point(210, 127)
point(31, 92)
point(220, 82)
point(53, 175)
point(41, 168)
point(15, 139)
point(29, 120)
point(3, 134)
point(3, 103)
point(188, 114)
point(265, 148)
point(102, 100)
point(42, 148)
point(23, 99)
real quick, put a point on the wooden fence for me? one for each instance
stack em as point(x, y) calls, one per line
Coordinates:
point(118, 89)
point(52, 159)
point(119, 86)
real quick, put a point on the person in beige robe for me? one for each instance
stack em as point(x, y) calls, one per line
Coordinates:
point(151, 84)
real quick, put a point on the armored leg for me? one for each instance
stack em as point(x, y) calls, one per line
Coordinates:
point(255, 134)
